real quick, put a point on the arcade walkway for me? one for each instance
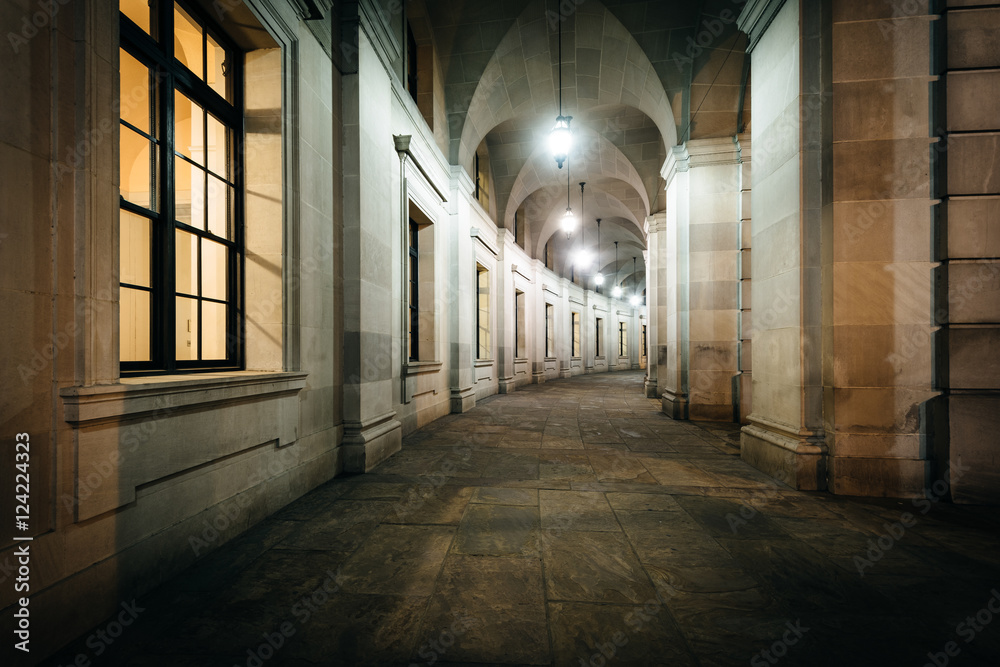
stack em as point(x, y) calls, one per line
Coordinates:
point(569, 519)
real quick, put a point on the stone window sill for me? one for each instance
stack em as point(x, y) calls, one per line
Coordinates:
point(421, 367)
point(481, 363)
point(137, 396)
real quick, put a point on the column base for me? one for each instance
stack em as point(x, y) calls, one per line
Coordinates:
point(635, 367)
point(366, 444)
point(794, 459)
point(674, 405)
point(650, 387)
point(463, 400)
point(506, 385)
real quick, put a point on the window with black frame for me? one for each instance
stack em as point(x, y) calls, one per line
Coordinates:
point(414, 337)
point(180, 229)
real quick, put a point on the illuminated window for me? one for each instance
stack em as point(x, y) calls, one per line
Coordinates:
point(483, 180)
point(520, 334)
point(180, 233)
point(622, 339)
point(550, 330)
point(483, 312)
point(576, 334)
point(598, 337)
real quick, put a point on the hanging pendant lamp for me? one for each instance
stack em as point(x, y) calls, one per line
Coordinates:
point(560, 139)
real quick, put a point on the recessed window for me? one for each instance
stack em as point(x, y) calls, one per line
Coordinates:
point(520, 332)
point(550, 330)
point(414, 296)
point(598, 337)
point(483, 179)
point(180, 231)
point(576, 334)
point(644, 340)
point(622, 339)
point(484, 350)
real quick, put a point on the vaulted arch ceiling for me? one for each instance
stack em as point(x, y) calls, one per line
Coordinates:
point(594, 160)
point(639, 76)
point(602, 65)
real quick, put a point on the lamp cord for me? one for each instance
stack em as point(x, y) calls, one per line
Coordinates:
point(559, 19)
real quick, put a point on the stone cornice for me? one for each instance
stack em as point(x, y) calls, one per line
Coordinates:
point(756, 17)
point(677, 160)
point(713, 152)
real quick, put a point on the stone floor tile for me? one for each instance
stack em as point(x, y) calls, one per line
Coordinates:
point(398, 560)
point(593, 567)
point(498, 530)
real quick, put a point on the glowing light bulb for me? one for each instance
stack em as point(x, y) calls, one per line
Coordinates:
point(634, 300)
point(599, 279)
point(568, 221)
point(582, 259)
point(616, 292)
point(560, 139)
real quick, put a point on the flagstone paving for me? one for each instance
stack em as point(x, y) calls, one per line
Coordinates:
point(571, 523)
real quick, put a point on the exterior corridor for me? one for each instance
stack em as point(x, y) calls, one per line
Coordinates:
point(572, 523)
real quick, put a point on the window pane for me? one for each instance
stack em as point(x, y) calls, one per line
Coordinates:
point(216, 146)
point(186, 261)
point(134, 91)
point(133, 325)
point(187, 42)
point(213, 269)
point(213, 330)
point(137, 10)
point(134, 167)
point(189, 193)
point(218, 207)
point(135, 251)
point(187, 329)
point(218, 66)
point(189, 128)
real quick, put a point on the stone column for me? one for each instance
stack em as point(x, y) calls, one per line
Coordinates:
point(785, 436)
point(536, 329)
point(654, 230)
point(672, 297)
point(879, 320)
point(713, 210)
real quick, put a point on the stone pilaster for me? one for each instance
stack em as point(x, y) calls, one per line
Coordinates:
point(672, 288)
point(371, 431)
point(785, 436)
